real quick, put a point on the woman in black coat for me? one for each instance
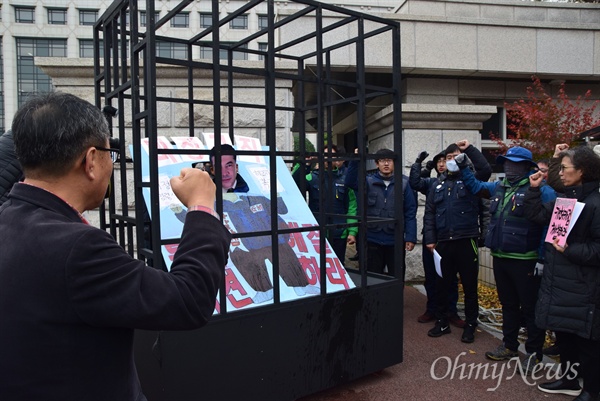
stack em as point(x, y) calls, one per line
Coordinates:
point(569, 298)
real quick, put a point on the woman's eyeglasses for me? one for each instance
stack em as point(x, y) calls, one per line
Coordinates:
point(562, 168)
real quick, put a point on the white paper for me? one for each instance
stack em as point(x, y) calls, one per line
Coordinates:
point(576, 212)
point(437, 260)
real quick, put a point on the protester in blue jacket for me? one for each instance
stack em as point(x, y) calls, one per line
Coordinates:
point(381, 204)
point(514, 242)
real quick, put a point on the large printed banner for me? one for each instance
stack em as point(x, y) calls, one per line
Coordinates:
point(249, 271)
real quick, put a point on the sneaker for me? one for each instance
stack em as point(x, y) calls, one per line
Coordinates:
point(529, 362)
point(440, 328)
point(552, 350)
point(468, 335)
point(456, 321)
point(501, 353)
point(562, 386)
point(426, 317)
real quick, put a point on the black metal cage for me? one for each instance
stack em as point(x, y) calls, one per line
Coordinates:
point(323, 60)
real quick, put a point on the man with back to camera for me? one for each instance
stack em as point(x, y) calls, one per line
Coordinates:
point(70, 296)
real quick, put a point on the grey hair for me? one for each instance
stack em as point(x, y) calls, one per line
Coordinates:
point(52, 130)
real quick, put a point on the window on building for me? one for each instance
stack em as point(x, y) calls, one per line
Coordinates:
point(205, 20)
point(25, 15)
point(263, 22)
point(495, 125)
point(263, 48)
point(86, 48)
point(181, 20)
point(172, 50)
point(143, 17)
point(239, 22)
point(88, 17)
point(206, 53)
point(127, 18)
point(30, 79)
point(57, 16)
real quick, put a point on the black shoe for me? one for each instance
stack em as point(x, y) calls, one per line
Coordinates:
point(552, 350)
point(530, 363)
point(562, 386)
point(468, 335)
point(440, 328)
point(585, 396)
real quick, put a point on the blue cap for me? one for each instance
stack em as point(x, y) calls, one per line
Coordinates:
point(517, 154)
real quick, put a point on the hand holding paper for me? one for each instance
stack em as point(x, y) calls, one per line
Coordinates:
point(564, 215)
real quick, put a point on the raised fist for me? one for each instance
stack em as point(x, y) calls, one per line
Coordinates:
point(560, 148)
point(461, 160)
point(422, 156)
point(463, 144)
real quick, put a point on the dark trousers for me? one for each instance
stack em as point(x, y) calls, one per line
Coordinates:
point(458, 256)
point(430, 284)
point(380, 256)
point(517, 290)
point(586, 352)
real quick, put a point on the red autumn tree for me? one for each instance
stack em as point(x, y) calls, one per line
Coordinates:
point(539, 122)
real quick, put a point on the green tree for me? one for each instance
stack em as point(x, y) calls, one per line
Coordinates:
point(539, 122)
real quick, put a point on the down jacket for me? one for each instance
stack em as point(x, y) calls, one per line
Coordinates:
point(569, 297)
point(10, 168)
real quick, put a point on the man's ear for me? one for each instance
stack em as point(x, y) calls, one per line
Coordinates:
point(236, 168)
point(89, 162)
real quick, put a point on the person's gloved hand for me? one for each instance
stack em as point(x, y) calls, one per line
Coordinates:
point(430, 165)
point(462, 160)
point(422, 156)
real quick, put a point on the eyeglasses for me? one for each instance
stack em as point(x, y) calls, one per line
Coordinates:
point(543, 170)
point(114, 153)
point(385, 161)
point(562, 168)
